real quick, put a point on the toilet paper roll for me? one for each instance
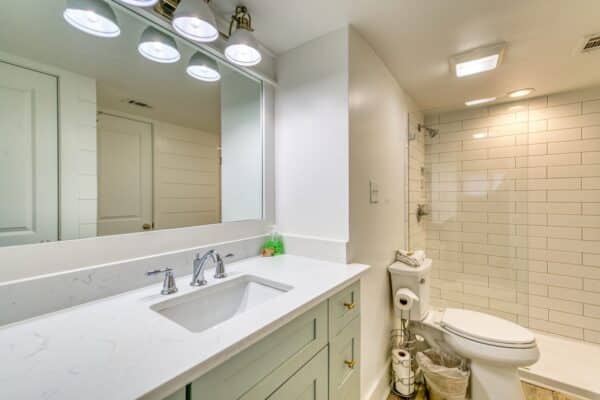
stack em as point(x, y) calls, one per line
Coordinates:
point(401, 356)
point(405, 387)
point(404, 299)
point(404, 377)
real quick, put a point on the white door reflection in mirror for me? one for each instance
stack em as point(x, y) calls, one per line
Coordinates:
point(124, 175)
point(28, 156)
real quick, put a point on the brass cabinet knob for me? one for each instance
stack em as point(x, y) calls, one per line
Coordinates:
point(349, 306)
point(350, 364)
point(146, 227)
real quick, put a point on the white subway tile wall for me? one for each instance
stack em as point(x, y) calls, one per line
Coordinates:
point(514, 195)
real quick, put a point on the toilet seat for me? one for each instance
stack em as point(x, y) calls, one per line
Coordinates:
point(486, 329)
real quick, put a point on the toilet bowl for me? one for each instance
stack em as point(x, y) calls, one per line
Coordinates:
point(495, 347)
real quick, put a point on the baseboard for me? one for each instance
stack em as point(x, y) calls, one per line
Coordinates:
point(380, 389)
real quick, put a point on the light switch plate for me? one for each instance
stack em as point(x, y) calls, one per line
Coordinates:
point(373, 192)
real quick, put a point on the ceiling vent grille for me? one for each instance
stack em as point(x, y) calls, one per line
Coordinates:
point(591, 43)
point(137, 103)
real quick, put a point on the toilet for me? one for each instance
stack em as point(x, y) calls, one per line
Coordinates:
point(496, 348)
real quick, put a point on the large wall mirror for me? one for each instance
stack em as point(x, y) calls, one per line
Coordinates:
point(96, 139)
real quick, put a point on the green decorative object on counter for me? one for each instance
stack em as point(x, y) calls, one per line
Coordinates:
point(273, 246)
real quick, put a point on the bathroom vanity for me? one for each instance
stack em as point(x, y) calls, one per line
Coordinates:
point(274, 328)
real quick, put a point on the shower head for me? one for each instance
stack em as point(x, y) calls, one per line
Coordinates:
point(430, 131)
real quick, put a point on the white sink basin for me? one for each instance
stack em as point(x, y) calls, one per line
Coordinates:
point(207, 307)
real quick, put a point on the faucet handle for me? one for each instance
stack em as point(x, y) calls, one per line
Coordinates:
point(159, 271)
point(220, 270)
point(169, 285)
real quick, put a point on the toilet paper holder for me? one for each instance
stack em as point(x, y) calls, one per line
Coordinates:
point(404, 341)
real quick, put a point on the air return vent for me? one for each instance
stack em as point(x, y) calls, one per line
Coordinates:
point(590, 43)
point(138, 103)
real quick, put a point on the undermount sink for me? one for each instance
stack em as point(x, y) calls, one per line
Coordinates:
point(207, 307)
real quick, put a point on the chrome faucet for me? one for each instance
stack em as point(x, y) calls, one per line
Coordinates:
point(199, 266)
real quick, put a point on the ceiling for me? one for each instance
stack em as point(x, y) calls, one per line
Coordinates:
point(415, 38)
point(35, 30)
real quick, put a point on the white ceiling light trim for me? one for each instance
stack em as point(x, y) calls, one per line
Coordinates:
point(141, 3)
point(242, 47)
point(477, 60)
point(203, 68)
point(476, 102)
point(94, 17)
point(158, 47)
point(521, 92)
point(195, 20)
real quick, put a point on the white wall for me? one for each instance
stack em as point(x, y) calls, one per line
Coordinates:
point(186, 176)
point(78, 154)
point(378, 138)
point(342, 120)
point(241, 147)
point(312, 138)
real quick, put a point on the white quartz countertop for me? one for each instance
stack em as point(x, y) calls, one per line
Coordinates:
point(118, 348)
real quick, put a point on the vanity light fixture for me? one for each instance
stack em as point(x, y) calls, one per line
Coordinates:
point(195, 20)
point(521, 92)
point(203, 68)
point(477, 60)
point(141, 3)
point(157, 46)
point(242, 48)
point(94, 17)
point(479, 101)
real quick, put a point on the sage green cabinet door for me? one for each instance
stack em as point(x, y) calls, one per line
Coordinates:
point(178, 395)
point(264, 366)
point(344, 363)
point(310, 383)
point(343, 308)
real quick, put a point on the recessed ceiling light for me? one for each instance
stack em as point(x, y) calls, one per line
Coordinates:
point(521, 92)
point(480, 135)
point(477, 60)
point(479, 101)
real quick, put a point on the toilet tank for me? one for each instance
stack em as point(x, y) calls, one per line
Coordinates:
point(415, 279)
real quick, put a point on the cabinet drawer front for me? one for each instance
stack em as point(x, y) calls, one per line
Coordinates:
point(310, 383)
point(343, 308)
point(286, 349)
point(344, 363)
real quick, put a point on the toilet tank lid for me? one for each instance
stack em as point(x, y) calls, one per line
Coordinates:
point(399, 267)
point(485, 327)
